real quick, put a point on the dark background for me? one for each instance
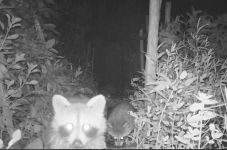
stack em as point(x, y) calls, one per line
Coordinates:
point(112, 27)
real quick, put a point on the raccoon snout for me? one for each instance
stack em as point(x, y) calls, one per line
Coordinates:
point(77, 143)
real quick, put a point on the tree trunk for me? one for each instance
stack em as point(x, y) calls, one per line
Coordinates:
point(141, 51)
point(152, 41)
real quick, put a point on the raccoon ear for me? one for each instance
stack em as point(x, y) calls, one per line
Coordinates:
point(59, 102)
point(98, 102)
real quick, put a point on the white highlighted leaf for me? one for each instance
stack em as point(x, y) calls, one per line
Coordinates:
point(16, 136)
point(183, 75)
point(1, 144)
point(196, 106)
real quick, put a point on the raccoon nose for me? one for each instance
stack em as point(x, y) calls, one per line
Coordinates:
point(77, 143)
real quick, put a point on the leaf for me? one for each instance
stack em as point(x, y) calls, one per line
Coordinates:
point(19, 57)
point(179, 123)
point(166, 138)
point(209, 101)
point(189, 81)
point(165, 122)
point(53, 50)
point(3, 71)
point(225, 122)
point(182, 139)
point(21, 80)
point(50, 87)
point(201, 116)
point(179, 91)
point(8, 19)
point(16, 25)
point(36, 144)
point(216, 134)
point(35, 70)
point(178, 105)
point(211, 141)
point(207, 138)
point(1, 144)
point(161, 85)
point(12, 37)
point(2, 25)
point(37, 128)
point(212, 127)
point(44, 69)
point(195, 138)
point(194, 132)
point(207, 115)
point(78, 72)
point(145, 146)
point(16, 136)
point(5, 47)
point(183, 75)
point(50, 43)
point(15, 66)
point(16, 20)
point(31, 67)
point(188, 135)
point(196, 106)
point(192, 121)
point(49, 25)
point(9, 83)
point(15, 93)
point(33, 82)
point(203, 76)
point(203, 96)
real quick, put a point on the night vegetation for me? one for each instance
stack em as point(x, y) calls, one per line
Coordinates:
point(42, 53)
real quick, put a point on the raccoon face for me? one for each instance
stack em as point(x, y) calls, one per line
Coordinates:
point(76, 125)
point(120, 122)
point(119, 131)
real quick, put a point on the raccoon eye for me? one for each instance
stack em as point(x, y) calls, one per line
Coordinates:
point(121, 138)
point(89, 130)
point(66, 129)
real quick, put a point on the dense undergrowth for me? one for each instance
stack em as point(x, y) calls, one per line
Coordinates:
point(31, 71)
point(189, 110)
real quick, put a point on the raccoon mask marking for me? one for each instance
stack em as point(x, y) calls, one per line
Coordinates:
point(120, 122)
point(77, 124)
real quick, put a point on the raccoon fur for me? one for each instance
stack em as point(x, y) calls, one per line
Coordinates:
point(77, 123)
point(120, 123)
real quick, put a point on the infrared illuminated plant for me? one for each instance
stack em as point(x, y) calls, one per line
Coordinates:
point(189, 109)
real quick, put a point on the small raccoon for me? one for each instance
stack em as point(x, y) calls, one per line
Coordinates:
point(77, 123)
point(120, 123)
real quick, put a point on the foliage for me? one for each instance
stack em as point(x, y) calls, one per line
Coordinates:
point(184, 25)
point(31, 72)
point(190, 105)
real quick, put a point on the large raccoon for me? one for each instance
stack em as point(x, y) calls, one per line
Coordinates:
point(120, 123)
point(77, 123)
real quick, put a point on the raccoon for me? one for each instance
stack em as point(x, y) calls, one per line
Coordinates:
point(120, 123)
point(77, 123)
